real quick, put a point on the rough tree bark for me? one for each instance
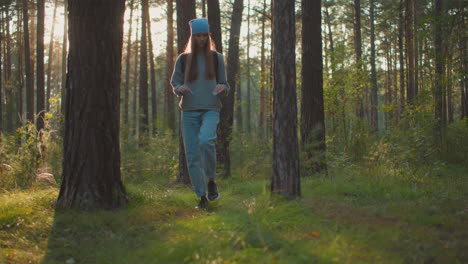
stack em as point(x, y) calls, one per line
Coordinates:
point(143, 87)
point(232, 69)
point(374, 121)
point(248, 106)
point(285, 178)
point(128, 68)
point(40, 103)
point(27, 65)
point(50, 59)
point(214, 18)
point(263, 96)
point(91, 162)
point(64, 56)
point(439, 71)
point(358, 52)
point(169, 112)
point(154, 106)
point(185, 13)
point(312, 110)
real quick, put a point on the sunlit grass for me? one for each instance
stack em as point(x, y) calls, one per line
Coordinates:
point(355, 214)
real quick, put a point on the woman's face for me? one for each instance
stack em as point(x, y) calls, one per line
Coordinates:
point(201, 40)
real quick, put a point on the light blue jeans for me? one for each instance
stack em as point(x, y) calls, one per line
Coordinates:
point(199, 132)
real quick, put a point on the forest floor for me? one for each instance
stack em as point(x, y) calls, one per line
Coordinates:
point(350, 216)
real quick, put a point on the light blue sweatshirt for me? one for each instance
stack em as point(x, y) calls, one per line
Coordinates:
point(202, 97)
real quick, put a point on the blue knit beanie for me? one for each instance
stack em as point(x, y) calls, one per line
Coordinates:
point(199, 25)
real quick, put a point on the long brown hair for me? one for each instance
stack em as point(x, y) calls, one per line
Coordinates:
point(192, 51)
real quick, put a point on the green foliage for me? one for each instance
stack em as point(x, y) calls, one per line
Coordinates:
point(157, 159)
point(29, 152)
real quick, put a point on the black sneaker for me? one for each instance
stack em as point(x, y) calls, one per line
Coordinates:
point(203, 204)
point(213, 193)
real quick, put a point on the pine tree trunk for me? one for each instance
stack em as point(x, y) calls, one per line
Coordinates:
point(91, 165)
point(128, 68)
point(312, 110)
point(232, 70)
point(28, 67)
point(1, 87)
point(330, 37)
point(50, 59)
point(285, 178)
point(374, 90)
point(358, 52)
point(185, 12)
point(238, 111)
point(263, 96)
point(143, 87)
point(154, 109)
point(64, 57)
point(410, 92)
point(214, 18)
point(168, 95)
point(248, 106)
point(439, 72)
point(464, 69)
point(401, 58)
point(20, 73)
point(40, 104)
point(9, 94)
point(136, 60)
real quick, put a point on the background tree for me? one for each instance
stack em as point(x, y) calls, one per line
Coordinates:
point(285, 178)
point(143, 85)
point(27, 64)
point(232, 70)
point(40, 104)
point(312, 106)
point(91, 162)
point(169, 112)
point(185, 13)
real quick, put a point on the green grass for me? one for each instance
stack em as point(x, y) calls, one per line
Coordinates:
point(350, 216)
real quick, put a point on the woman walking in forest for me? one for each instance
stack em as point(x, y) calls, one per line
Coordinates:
point(199, 77)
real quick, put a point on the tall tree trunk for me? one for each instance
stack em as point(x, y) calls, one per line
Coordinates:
point(51, 53)
point(263, 96)
point(416, 11)
point(232, 69)
point(91, 163)
point(410, 92)
point(330, 36)
point(40, 104)
point(285, 179)
point(1, 84)
point(401, 57)
point(464, 68)
point(168, 95)
point(28, 67)
point(248, 106)
point(214, 18)
point(20, 73)
point(143, 87)
point(238, 111)
point(203, 8)
point(8, 87)
point(128, 68)
point(449, 90)
point(374, 121)
point(185, 12)
point(358, 53)
point(154, 109)
point(135, 80)
point(439, 72)
point(312, 110)
point(64, 56)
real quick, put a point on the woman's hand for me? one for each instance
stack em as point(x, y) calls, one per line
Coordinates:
point(219, 88)
point(184, 89)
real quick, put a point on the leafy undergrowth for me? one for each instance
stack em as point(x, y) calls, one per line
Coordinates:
point(349, 216)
